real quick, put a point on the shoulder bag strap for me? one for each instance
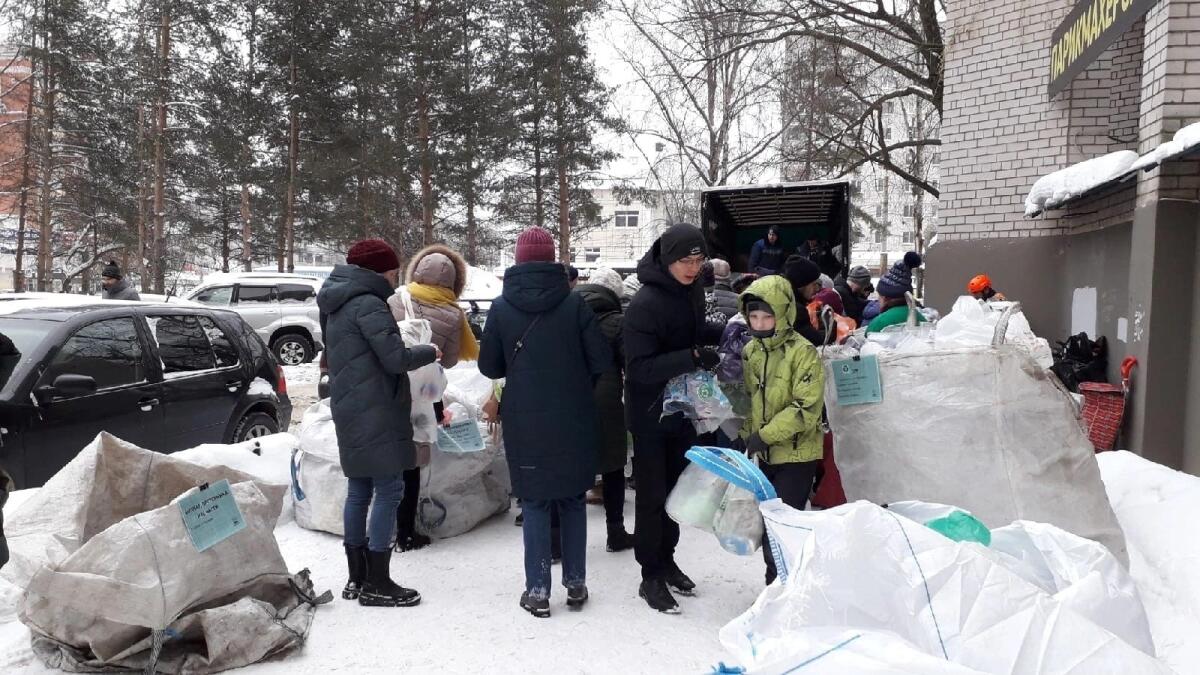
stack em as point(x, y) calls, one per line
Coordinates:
point(521, 341)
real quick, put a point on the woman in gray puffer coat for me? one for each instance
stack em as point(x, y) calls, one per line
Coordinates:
point(436, 278)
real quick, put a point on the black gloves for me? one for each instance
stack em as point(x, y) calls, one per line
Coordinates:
point(755, 445)
point(707, 358)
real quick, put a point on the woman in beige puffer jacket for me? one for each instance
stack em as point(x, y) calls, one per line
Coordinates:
point(438, 267)
point(436, 278)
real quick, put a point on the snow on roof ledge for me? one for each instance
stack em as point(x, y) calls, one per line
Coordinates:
point(1056, 189)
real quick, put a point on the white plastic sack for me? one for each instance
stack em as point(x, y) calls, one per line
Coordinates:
point(972, 323)
point(984, 428)
point(226, 607)
point(699, 397)
point(467, 387)
point(427, 383)
point(458, 490)
point(318, 484)
point(863, 589)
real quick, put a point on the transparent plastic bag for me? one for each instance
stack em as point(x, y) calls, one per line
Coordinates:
point(696, 498)
point(738, 524)
point(698, 396)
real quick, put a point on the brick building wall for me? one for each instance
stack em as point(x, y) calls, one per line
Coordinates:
point(14, 98)
point(1001, 132)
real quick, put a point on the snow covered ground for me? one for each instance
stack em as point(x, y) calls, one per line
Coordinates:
point(469, 620)
point(1158, 507)
point(302, 388)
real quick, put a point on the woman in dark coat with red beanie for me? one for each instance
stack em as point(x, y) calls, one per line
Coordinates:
point(545, 341)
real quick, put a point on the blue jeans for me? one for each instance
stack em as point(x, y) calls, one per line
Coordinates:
point(536, 529)
point(387, 491)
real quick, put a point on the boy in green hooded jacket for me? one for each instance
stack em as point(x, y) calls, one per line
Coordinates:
point(786, 382)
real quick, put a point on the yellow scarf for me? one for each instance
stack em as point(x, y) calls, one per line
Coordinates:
point(436, 295)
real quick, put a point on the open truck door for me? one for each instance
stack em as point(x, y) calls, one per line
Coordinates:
point(735, 217)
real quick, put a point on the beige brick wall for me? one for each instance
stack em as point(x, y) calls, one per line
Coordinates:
point(1001, 132)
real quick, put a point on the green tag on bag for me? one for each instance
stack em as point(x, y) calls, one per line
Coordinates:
point(211, 515)
point(857, 381)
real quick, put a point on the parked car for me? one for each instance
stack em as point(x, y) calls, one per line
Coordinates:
point(164, 377)
point(282, 308)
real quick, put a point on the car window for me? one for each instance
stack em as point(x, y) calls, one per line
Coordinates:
point(292, 294)
point(251, 339)
point(182, 344)
point(255, 295)
point(217, 296)
point(108, 351)
point(18, 338)
point(222, 346)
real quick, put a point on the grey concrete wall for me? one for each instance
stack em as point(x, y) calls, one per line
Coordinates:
point(1162, 265)
point(1026, 269)
point(1098, 260)
point(1044, 273)
point(1191, 442)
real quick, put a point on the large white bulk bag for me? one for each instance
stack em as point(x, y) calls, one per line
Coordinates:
point(870, 591)
point(984, 428)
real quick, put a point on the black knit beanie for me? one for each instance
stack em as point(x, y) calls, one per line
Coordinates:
point(681, 241)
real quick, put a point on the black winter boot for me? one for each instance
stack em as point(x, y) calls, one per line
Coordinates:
point(679, 581)
point(538, 608)
point(380, 590)
point(356, 562)
point(577, 596)
point(413, 542)
point(658, 596)
point(618, 538)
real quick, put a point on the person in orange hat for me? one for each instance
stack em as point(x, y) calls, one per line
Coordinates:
point(980, 288)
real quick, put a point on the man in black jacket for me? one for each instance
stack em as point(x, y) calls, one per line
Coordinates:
point(371, 404)
point(664, 338)
point(854, 288)
point(805, 278)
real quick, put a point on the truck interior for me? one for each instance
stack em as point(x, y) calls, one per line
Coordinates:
point(736, 217)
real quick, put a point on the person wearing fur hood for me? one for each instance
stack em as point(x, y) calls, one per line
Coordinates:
point(436, 278)
point(435, 281)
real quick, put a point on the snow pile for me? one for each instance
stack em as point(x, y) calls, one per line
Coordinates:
point(1188, 137)
point(1156, 156)
point(1076, 179)
point(1157, 508)
point(267, 458)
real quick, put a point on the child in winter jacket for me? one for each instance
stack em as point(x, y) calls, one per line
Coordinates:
point(785, 380)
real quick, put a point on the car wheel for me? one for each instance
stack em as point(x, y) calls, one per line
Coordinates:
point(255, 425)
point(292, 349)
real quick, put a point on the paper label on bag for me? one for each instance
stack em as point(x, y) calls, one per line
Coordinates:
point(460, 437)
point(211, 516)
point(857, 381)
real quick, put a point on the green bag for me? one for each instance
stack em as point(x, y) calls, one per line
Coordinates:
point(960, 526)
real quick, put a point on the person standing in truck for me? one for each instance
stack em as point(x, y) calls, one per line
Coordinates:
point(767, 255)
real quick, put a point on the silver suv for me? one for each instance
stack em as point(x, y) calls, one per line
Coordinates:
point(281, 308)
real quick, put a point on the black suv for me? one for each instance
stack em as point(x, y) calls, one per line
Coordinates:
point(164, 377)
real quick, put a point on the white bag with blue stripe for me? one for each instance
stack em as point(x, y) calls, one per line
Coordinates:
point(863, 589)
